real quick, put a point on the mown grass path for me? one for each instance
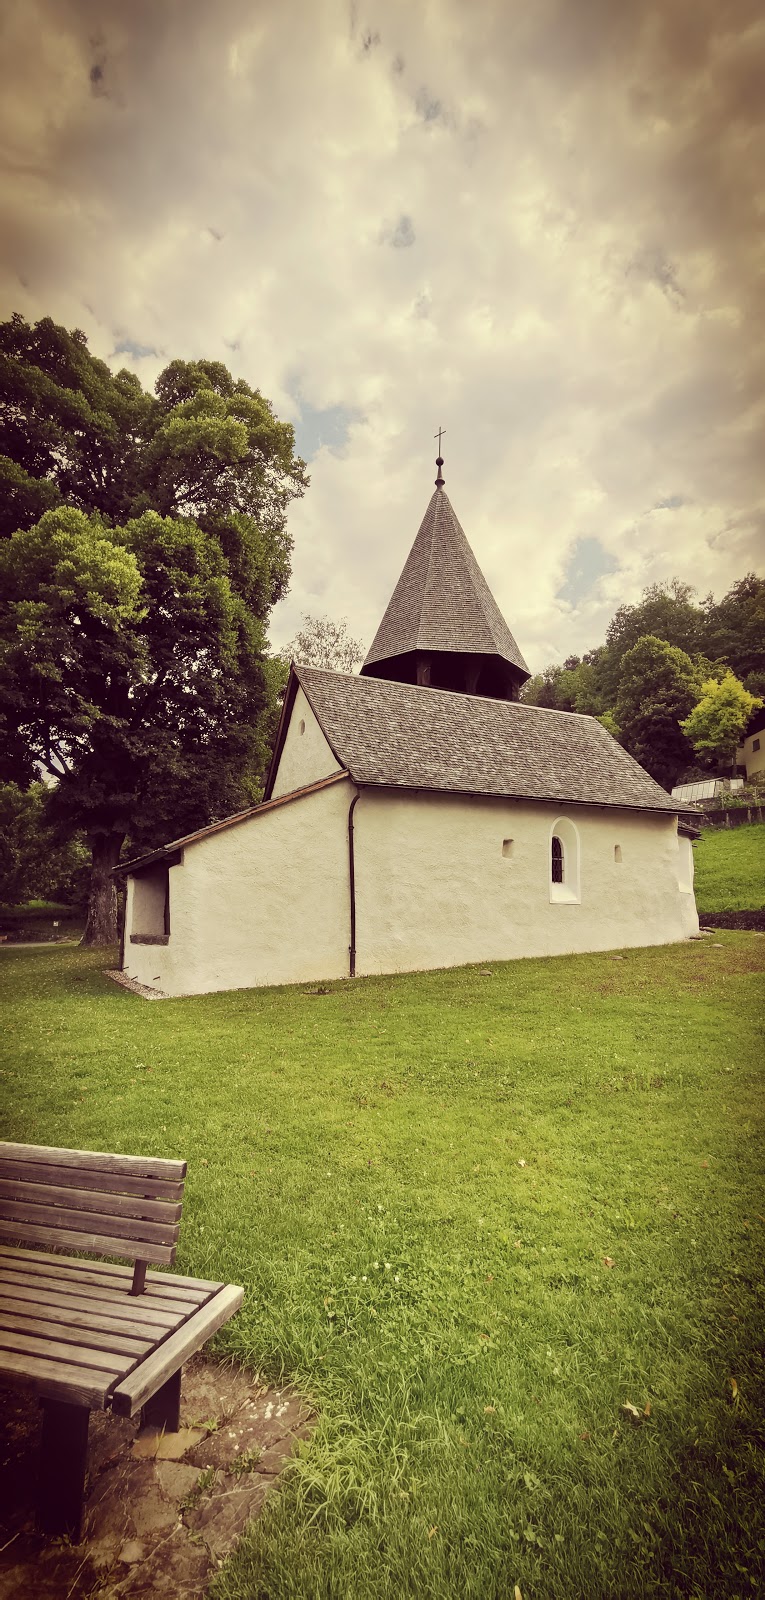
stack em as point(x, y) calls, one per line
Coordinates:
point(476, 1213)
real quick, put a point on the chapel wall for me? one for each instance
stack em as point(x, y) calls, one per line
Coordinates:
point(448, 880)
point(263, 902)
point(306, 756)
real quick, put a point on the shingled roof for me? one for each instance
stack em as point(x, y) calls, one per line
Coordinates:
point(442, 601)
point(399, 735)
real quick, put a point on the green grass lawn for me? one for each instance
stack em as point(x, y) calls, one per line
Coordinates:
point(475, 1216)
point(730, 869)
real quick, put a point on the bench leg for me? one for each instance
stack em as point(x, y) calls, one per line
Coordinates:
point(163, 1410)
point(63, 1460)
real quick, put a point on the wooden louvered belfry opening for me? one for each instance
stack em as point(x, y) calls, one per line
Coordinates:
point(128, 1206)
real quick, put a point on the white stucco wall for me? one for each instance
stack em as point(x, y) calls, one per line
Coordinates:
point(440, 881)
point(434, 888)
point(305, 756)
point(265, 901)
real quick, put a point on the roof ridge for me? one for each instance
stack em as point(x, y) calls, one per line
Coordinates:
point(433, 530)
point(477, 569)
point(458, 694)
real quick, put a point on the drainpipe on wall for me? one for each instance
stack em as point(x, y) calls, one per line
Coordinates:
point(352, 885)
point(122, 903)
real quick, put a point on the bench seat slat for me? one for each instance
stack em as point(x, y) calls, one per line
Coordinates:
point(149, 1375)
point(154, 1316)
point(115, 1294)
point(75, 1329)
point(109, 1205)
point(84, 1178)
point(79, 1239)
point(112, 1362)
point(55, 1216)
point(95, 1161)
point(72, 1315)
point(107, 1274)
point(59, 1380)
point(157, 1282)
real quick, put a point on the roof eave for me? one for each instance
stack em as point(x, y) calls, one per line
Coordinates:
point(281, 732)
point(531, 799)
point(177, 846)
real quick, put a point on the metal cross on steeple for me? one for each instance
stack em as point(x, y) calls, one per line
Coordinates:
point(439, 460)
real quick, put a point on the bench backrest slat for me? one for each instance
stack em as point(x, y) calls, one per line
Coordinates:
point(103, 1204)
point(85, 1178)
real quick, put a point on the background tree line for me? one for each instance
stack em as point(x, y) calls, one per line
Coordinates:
point(676, 679)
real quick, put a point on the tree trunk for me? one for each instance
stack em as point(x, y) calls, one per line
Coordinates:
point(101, 926)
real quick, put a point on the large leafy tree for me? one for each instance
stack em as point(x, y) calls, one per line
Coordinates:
point(717, 723)
point(146, 544)
point(665, 611)
point(734, 630)
point(658, 687)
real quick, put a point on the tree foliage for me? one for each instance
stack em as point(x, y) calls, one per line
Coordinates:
point(146, 543)
point(658, 686)
point(324, 643)
point(666, 611)
point(715, 636)
point(34, 862)
point(570, 687)
point(717, 723)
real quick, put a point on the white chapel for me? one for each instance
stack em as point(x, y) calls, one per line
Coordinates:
point(416, 815)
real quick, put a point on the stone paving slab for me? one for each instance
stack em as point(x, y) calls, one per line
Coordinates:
point(162, 1511)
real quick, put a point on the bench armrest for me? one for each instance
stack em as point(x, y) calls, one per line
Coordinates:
point(154, 1371)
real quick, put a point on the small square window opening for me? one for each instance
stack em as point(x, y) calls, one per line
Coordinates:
point(617, 852)
point(507, 847)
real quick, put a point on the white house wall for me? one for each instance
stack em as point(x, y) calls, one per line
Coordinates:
point(263, 902)
point(434, 889)
point(306, 755)
point(752, 755)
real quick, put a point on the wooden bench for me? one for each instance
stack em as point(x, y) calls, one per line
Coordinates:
point(87, 1335)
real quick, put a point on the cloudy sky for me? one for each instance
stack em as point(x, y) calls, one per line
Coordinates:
point(540, 226)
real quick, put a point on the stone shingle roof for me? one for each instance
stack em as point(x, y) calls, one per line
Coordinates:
point(401, 736)
point(442, 600)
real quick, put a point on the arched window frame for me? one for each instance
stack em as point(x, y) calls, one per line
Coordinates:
point(566, 892)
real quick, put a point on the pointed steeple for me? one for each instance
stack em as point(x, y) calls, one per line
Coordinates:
point(443, 627)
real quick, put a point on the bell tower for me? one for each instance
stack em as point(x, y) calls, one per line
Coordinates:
point(442, 627)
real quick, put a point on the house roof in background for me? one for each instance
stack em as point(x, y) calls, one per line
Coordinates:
point(442, 600)
point(400, 735)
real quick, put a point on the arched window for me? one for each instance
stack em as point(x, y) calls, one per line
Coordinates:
point(564, 862)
